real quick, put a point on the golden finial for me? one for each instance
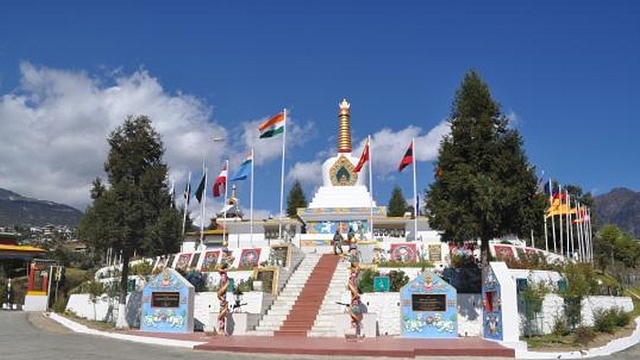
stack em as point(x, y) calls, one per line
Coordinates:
point(233, 200)
point(344, 127)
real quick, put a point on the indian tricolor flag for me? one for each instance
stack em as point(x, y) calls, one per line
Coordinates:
point(272, 127)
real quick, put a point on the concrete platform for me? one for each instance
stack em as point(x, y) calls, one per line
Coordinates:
point(384, 346)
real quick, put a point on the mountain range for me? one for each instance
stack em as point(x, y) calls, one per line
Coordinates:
point(620, 207)
point(16, 209)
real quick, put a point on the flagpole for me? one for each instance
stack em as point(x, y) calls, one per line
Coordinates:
point(224, 206)
point(553, 220)
point(370, 185)
point(186, 197)
point(284, 137)
point(415, 192)
point(203, 208)
point(251, 203)
point(580, 231)
point(570, 244)
point(560, 224)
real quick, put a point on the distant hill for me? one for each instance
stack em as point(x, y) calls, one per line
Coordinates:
point(620, 207)
point(16, 209)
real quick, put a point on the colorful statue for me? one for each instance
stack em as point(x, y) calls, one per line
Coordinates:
point(222, 298)
point(225, 262)
point(355, 312)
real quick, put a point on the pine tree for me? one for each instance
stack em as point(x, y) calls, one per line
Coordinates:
point(485, 187)
point(295, 200)
point(397, 203)
point(132, 215)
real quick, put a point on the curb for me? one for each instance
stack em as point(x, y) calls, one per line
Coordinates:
point(606, 350)
point(612, 347)
point(79, 328)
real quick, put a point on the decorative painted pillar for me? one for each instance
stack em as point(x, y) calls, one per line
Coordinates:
point(355, 312)
point(225, 262)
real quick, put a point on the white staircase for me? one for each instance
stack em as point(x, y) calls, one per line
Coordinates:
point(325, 324)
point(275, 316)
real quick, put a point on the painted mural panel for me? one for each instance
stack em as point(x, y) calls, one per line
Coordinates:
point(210, 260)
point(403, 253)
point(183, 261)
point(429, 308)
point(249, 258)
point(167, 304)
point(492, 307)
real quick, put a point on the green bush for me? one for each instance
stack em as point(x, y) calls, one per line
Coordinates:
point(623, 318)
point(608, 320)
point(365, 281)
point(397, 279)
point(560, 327)
point(604, 320)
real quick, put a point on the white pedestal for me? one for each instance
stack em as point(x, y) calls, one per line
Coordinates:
point(35, 303)
point(237, 323)
point(369, 325)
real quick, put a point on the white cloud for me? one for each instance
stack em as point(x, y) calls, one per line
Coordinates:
point(55, 126)
point(308, 173)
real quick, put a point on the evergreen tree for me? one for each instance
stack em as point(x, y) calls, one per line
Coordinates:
point(397, 203)
point(295, 200)
point(132, 215)
point(484, 186)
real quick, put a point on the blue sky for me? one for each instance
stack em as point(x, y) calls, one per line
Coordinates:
point(70, 71)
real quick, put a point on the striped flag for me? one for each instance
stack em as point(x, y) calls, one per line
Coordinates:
point(245, 168)
point(221, 182)
point(363, 158)
point(407, 159)
point(273, 126)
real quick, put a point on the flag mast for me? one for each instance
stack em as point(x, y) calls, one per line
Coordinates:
point(224, 205)
point(202, 207)
point(186, 196)
point(284, 137)
point(415, 192)
point(370, 186)
point(251, 203)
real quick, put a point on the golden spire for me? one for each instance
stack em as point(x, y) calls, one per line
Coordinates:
point(344, 127)
point(233, 200)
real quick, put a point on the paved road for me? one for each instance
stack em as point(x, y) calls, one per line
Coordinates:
point(29, 336)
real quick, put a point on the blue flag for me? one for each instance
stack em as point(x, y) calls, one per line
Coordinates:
point(244, 170)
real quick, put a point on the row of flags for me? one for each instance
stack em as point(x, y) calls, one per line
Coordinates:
point(407, 159)
point(272, 127)
point(574, 224)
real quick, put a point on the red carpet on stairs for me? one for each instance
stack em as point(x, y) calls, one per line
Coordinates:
point(305, 309)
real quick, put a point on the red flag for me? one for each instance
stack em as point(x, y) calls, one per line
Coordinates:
point(363, 158)
point(407, 159)
point(221, 182)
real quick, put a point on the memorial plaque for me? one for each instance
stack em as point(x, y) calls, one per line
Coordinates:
point(428, 302)
point(165, 299)
point(435, 253)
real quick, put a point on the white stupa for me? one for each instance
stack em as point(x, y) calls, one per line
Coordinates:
point(341, 186)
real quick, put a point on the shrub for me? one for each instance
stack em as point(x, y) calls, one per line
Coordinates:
point(560, 326)
point(584, 335)
point(365, 282)
point(397, 279)
point(623, 318)
point(142, 268)
point(605, 320)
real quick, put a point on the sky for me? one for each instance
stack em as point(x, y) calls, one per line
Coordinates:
point(566, 74)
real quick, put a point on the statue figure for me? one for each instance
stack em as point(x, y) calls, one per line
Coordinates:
point(337, 242)
point(222, 298)
point(355, 311)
